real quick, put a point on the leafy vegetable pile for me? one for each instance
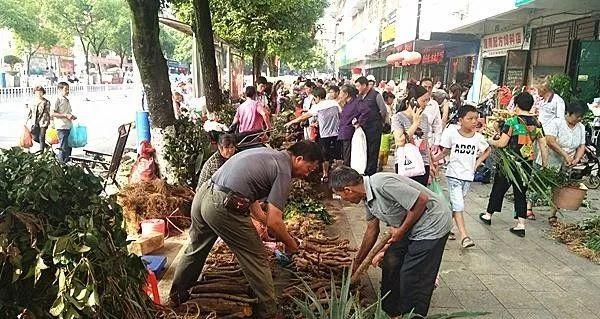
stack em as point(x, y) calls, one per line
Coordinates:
point(63, 251)
point(582, 238)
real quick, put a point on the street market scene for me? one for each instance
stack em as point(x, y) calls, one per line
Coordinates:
point(340, 159)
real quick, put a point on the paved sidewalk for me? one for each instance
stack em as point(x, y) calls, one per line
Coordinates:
point(511, 277)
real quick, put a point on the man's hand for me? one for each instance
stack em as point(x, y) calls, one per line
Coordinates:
point(397, 234)
point(568, 160)
point(378, 259)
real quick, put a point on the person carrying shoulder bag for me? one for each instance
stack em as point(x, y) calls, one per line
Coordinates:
point(38, 117)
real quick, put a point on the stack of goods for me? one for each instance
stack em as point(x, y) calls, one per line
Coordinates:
point(156, 199)
point(223, 289)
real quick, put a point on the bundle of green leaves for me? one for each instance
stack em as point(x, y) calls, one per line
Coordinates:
point(307, 206)
point(63, 250)
point(187, 150)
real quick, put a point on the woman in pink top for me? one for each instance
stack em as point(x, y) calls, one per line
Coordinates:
point(251, 114)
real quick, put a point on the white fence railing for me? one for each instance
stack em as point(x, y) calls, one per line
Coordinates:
point(24, 93)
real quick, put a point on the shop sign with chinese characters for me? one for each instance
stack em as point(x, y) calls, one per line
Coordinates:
point(498, 44)
point(432, 55)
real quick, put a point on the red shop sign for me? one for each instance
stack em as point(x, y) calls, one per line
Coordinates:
point(432, 55)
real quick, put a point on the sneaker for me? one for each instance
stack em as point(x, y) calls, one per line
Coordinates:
point(518, 232)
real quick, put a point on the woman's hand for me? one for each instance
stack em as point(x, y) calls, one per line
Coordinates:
point(416, 115)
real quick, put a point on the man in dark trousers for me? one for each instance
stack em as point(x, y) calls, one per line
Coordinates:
point(374, 125)
point(419, 221)
point(222, 206)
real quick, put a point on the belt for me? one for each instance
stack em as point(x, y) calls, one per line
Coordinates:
point(222, 189)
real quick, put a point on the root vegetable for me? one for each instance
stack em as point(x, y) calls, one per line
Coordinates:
point(220, 306)
point(365, 264)
point(220, 287)
point(230, 297)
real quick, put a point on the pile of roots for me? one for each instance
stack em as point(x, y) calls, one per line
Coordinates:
point(579, 238)
point(155, 199)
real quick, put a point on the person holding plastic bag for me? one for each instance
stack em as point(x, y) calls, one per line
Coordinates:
point(63, 121)
point(468, 149)
point(38, 117)
point(354, 114)
point(410, 126)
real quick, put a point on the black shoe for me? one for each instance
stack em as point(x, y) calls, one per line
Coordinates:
point(518, 232)
point(485, 221)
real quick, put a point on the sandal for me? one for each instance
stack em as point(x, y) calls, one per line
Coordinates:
point(552, 220)
point(484, 220)
point(452, 236)
point(467, 242)
point(530, 214)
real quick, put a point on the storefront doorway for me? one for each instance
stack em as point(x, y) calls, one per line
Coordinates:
point(493, 73)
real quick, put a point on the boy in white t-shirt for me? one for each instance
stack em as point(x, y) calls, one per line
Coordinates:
point(468, 150)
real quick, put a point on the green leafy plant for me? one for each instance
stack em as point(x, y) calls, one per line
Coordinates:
point(562, 85)
point(63, 251)
point(187, 150)
point(344, 304)
point(539, 181)
point(307, 206)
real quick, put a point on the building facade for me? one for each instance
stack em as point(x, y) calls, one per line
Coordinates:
point(475, 43)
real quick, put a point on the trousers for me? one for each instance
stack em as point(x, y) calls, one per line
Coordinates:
point(64, 150)
point(499, 189)
point(373, 135)
point(408, 273)
point(210, 220)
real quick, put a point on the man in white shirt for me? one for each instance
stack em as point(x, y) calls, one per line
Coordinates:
point(434, 118)
point(552, 105)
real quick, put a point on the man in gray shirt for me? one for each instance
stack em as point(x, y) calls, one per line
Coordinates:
point(420, 222)
point(222, 207)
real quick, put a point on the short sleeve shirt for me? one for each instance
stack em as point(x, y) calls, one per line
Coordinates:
point(568, 138)
point(249, 117)
point(328, 117)
point(523, 130)
point(551, 109)
point(401, 122)
point(463, 152)
point(62, 106)
point(258, 174)
point(390, 197)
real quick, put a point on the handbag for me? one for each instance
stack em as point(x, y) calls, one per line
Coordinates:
point(26, 141)
point(78, 136)
point(358, 152)
point(409, 160)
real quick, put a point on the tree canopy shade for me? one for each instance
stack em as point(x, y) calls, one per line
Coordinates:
point(92, 21)
point(26, 20)
point(261, 28)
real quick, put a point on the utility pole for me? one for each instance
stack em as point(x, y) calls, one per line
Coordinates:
point(418, 21)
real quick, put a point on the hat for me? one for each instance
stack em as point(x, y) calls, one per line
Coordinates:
point(595, 103)
point(371, 77)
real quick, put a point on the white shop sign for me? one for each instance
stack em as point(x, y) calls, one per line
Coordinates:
point(498, 44)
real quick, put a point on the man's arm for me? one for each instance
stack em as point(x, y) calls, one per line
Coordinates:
point(369, 240)
point(299, 119)
point(441, 155)
point(276, 225)
point(381, 105)
point(412, 216)
point(266, 115)
point(437, 126)
point(560, 108)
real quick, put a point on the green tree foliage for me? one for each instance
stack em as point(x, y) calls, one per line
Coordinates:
point(168, 41)
point(92, 21)
point(26, 20)
point(258, 28)
point(119, 39)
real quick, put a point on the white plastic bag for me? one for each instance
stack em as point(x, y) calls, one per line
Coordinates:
point(409, 160)
point(358, 155)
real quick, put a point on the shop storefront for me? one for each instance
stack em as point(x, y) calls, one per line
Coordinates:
point(552, 46)
point(504, 59)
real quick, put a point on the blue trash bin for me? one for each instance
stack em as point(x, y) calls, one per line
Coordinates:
point(142, 124)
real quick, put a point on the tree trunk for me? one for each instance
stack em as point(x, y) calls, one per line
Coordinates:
point(28, 66)
point(86, 52)
point(122, 56)
point(258, 58)
point(272, 65)
point(204, 39)
point(154, 75)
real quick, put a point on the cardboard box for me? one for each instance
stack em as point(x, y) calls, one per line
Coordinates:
point(143, 245)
